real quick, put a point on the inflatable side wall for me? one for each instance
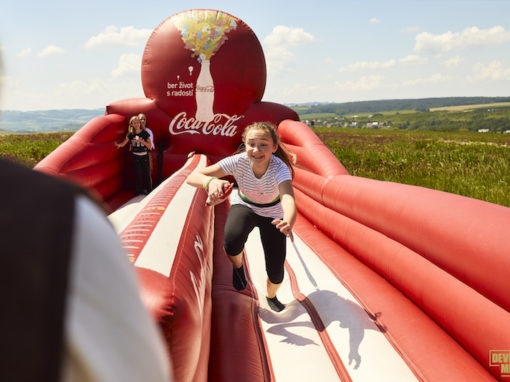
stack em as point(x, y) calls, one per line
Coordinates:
point(169, 238)
point(447, 254)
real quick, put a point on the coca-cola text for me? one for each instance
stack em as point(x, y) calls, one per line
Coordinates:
point(208, 89)
point(181, 124)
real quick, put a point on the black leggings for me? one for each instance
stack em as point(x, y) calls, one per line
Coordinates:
point(240, 222)
point(142, 173)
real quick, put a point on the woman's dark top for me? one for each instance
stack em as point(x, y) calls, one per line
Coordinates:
point(137, 146)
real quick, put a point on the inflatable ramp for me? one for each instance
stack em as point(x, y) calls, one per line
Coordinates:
point(383, 281)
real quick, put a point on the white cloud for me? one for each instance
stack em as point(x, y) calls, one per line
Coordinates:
point(364, 83)
point(8, 81)
point(51, 50)
point(411, 29)
point(78, 87)
point(298, 89)
point(125, 36)
point(364, 65)
point(469, 37)
point(411, 59)
point(278, 44)
point(435, 78)
point(493, 71)
point(288, 36)
point(374, 20)
point(82, 93)
point(3, 80)
point(453, 62)
point(128, 63)
point(374, 65)
point(24, 52)
point(278, 58)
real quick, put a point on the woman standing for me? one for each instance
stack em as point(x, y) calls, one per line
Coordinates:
point(140, 143)
point(143, 123)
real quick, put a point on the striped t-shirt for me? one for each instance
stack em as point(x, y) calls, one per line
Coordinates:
point(259, 190)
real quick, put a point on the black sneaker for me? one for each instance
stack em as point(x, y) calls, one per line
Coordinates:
point(275, 304)
point(239, 279)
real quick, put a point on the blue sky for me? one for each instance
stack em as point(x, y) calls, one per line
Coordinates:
point(67, 54)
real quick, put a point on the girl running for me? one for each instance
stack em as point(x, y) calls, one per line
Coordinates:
point(265, 199)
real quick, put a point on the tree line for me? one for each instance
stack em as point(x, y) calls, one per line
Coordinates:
point(419, 104)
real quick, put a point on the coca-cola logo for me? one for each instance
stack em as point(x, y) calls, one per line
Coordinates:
point(208, 89)
point(221, 124)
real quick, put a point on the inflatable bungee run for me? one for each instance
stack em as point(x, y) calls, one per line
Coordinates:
point(384, 281)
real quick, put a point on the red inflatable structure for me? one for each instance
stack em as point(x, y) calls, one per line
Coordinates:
point(383, 282)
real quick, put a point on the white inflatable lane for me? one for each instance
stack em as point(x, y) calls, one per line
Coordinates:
point(326, 335)
point(293, 344)
point(158, 253)
point(364, 349)
point(151, 228)
point(121, 217)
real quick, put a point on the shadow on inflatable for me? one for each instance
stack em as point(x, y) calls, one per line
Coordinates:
point(429, 271)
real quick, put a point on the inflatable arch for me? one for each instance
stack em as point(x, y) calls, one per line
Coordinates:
point(384, 281)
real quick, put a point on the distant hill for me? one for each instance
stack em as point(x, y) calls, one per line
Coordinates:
point(46, 120)
point(12, 121)
point(419, 104)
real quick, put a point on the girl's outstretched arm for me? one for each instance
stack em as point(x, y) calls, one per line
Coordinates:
point(202, 177)
point(207, 178)
point(123, 143)
point(289, 209)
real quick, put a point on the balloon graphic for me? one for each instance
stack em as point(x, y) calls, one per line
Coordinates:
point(204, 32)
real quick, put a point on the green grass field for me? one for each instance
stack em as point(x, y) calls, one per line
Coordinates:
point(470, 107)
point(311, 116)
point(29, 149)
point(465, 163)
point(494, 117)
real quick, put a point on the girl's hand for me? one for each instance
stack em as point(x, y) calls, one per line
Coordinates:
point(284, 227)
point(219, 190)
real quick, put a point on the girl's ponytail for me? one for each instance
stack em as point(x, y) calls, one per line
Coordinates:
point(282, 154)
